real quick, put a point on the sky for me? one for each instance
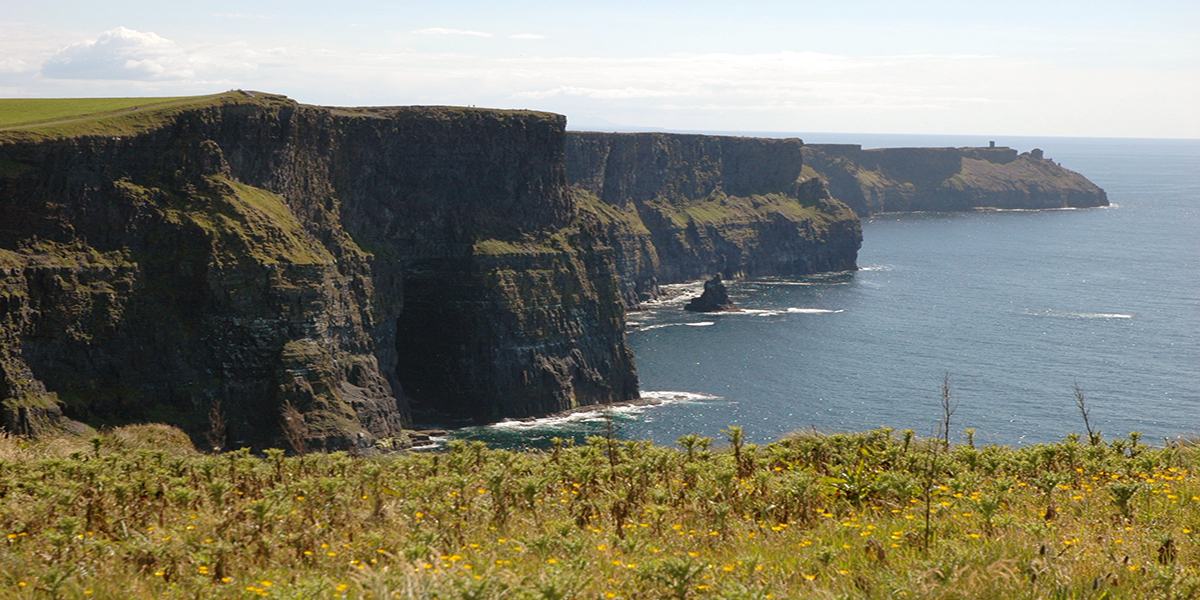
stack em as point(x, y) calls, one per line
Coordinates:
point(1044, 68)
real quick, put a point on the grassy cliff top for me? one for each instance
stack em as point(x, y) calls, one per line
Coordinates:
point(34, 119)
point(30, 111)
point(454, 113)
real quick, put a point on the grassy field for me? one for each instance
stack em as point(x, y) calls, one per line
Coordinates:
point(48, 118)
point(27, 111)
point(137, 513)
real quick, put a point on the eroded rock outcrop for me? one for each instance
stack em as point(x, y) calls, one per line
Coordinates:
point(947, 179)
point(714, 298)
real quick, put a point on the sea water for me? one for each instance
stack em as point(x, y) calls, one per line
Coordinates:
point(1013, 308)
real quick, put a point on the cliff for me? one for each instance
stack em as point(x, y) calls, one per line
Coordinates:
point(211, 262)
point(947, 179)
point(684, 207)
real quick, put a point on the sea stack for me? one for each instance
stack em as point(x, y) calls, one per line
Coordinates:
point(714, 298)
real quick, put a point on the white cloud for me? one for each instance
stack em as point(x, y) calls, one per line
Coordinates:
point(240, 16)
point(120, 54)
point(782, 91)
point(25, 46)
point(527, 36)
point(763, 91)
point(149, 63)
point(783, 80)
point(13, 65)
point(599, 93)
point(447, 31)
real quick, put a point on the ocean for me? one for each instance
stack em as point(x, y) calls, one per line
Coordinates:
point(1014, 308)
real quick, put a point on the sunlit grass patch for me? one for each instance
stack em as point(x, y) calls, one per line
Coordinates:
point(25, 111)
point(49, 118)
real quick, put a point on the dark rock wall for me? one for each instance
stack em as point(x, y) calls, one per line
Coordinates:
point(164, 281)
point(244, 257)
point(684, 207)
point(364, 266)
point(947, 179)
point(510, 308)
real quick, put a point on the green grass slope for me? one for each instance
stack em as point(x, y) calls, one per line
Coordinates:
point(26, 111)
point(34, 119)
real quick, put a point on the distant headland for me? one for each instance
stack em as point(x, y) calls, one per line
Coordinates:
point(948, 179)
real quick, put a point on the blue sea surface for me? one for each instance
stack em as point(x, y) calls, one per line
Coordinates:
point(1014, 307)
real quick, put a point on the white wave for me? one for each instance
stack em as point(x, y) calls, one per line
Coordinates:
point(1050, 209)
point(675, 293)
point(761, 312)
point(876, 268)
point(661, 325)
point(676, 397)
point(1083, 315)
point(546, 422)
point(998, 209)
point(775, 282)
point(598, 413)
point(678, 288)
point(778, 281)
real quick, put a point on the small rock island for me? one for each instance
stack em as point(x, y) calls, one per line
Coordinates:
point(714, 298)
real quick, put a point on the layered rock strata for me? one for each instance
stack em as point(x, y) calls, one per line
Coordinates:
point(683, 207)
point(948, 179)
point(216, 264)
point(265, 273)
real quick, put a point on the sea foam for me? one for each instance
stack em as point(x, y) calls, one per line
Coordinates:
point(647, 400)
point(662, 325)
point(1082, 315)
point(765, 312)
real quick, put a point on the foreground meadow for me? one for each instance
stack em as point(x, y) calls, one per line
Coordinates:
point(137, 513)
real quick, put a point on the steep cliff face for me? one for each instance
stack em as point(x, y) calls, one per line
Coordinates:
point(947, 179)
point(153, 280)
point(211, 263)
point(683, 207)
point(510, 303)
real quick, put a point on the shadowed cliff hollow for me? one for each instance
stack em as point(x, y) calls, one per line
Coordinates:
point(948, 179)
point(685, 207)
point(210, 261)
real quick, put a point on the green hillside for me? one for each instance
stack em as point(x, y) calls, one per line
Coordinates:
point(28, 111)
point(42, 118)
